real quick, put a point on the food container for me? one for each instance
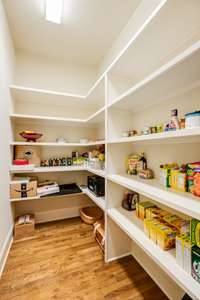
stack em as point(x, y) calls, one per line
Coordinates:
point(192, 120)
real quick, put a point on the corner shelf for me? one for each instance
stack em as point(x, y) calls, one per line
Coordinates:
point(182, 202)
point(14, 170)
point(43, 198)
point(133, 227)
point(99, 201)
point(95, 118)
point(179, 136)
point(47, 144)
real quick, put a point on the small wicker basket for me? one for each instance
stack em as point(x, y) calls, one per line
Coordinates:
point(91, 214)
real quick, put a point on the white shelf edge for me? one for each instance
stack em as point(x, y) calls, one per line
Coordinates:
point(37, 117)
point(41, 198)
point(184, 203)
point(57, 119)
point(58, 169)
point(98, 112)
point(44, 91)
point(46, 144)
point(158, 136)
point(99, 201)
point(164, 68)
point(166, 260)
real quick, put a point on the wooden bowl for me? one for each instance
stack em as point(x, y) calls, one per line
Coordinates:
point(31, 137)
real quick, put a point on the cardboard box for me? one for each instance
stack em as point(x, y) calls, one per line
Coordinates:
point(31, 153)
point(23, 190)
point(24, 230)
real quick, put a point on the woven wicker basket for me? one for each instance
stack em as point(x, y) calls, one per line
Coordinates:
point(90, 215)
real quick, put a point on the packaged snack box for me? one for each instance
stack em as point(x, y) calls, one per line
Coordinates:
point(187, 250)
point(196, 263)
point(195, 232)
point(184, 252)
point(147, 224)
point(153, 212)
point(183, 226)
point(193, 178)
point(166, 237)
point(178, 180)
point(142, 208)
point(153, 230)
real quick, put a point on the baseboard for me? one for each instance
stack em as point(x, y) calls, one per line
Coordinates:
point(56, 214)
point(5, 250)
point(118, 257)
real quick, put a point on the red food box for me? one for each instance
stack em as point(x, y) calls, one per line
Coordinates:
point(20, 162)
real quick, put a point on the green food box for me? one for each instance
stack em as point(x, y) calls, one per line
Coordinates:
point(195, 232)
point(196, 263)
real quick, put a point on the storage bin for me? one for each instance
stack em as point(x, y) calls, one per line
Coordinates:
point(91, 214)
point(24, 230)
point(192, 120)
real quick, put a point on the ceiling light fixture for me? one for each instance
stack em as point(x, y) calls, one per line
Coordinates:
point(53, 11)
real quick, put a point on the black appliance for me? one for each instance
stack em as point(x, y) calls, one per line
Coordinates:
point(96, 184)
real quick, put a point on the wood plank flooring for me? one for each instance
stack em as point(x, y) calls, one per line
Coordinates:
point(63, 261)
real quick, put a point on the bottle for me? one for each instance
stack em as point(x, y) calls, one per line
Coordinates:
point(144, 161)
point(174, 118)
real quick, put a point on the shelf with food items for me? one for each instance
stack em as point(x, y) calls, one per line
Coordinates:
point(158, 232)
point(27, 160)
point(31, 138)
point(58, 144)
point(177, 186)
point(178, 130)
point(28, 188)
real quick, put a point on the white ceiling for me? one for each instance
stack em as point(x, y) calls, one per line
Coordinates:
point(87, 32)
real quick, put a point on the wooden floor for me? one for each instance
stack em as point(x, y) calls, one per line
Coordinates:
point(63, 262)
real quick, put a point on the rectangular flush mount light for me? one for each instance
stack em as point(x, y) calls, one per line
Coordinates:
point(53, 10)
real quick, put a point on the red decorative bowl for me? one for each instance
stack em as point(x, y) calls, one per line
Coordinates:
point(31, 137)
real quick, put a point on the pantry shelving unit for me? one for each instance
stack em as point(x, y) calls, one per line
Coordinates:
point(133, 227)
point(138, 89)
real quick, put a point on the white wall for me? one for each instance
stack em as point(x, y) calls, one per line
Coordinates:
point(40, 72)
point(6, 71)
point(142, 12)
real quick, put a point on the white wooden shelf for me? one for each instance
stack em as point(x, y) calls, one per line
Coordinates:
point(182, 202)
point(95, 118)
point(43, 198)
point(47, 169)
point(101, 173)
point(178, 75)
point(46, 144)
point(179, 136)
point(14, 170)
point(99, 201)
point(133, 227)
